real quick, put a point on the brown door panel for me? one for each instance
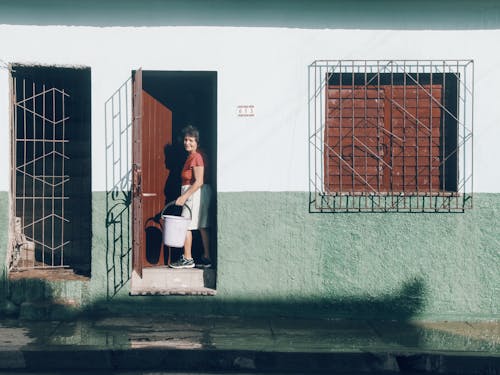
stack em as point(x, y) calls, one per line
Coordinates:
point(152, 131)
point(156, 134)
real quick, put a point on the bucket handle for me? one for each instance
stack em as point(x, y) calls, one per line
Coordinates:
point(173, 203)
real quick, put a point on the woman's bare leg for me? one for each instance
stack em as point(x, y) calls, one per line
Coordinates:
point(187, 245)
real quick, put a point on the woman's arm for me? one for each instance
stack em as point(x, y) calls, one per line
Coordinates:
point(198, 183)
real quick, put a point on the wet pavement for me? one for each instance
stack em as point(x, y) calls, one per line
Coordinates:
point(147, 372)
point(139, 345)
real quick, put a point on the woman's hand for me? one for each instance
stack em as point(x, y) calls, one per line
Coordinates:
point(180, 201)
point(198, 182)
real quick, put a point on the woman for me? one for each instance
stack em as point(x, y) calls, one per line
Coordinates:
point(196, 196)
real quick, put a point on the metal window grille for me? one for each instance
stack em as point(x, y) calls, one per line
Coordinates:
point(118, 119)
point(390, 135)
point(39, 176)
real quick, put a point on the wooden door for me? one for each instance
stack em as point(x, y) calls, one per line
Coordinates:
point(152, 132)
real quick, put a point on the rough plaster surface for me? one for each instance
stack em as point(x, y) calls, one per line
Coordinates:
point(4, 238)
point(420, 264)
point(274, 257)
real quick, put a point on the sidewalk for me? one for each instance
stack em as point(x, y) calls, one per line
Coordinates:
point(250, 345)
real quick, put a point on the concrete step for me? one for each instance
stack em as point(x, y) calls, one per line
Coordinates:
point(168, 281)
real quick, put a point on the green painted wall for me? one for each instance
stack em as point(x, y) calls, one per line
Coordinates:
point(4, 237)
point(427, 265)
point(274, 257)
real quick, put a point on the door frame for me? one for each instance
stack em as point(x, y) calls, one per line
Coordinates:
point(137, 145)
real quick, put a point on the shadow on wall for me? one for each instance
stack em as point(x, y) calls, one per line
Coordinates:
point(118, 240)
point(318, 14)
point(4, 288)
point(38, 299)
point(403, 305)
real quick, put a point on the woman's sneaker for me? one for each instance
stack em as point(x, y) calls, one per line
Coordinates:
point(183, 263)
point(204, 263)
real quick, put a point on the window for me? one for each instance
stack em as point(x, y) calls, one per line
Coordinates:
point(390, 135)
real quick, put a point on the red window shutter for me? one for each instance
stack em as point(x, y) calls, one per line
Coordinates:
point(415, 125)
point(354, 134)
point(382, 139)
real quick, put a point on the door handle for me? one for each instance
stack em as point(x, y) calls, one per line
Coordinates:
point(149, 194)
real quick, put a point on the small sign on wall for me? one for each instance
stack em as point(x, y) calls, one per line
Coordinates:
point(245, 110)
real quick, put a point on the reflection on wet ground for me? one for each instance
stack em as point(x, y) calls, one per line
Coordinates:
point(117, 372)
point(107, 345)
point(286, 335)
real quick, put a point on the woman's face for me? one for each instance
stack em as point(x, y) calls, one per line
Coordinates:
point(190, 143)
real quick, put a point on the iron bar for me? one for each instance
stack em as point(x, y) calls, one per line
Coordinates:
point(417, 185)
point(365, 117)
point(62, 185)
point(416, 144)
point(43, 172)
point(13, 250)
point(431, 140)
point(33, 90)
point(353, 117)
point(53, 178)
point(341, 187)
point(443, 133)
point(25, 147)
point(44, 152)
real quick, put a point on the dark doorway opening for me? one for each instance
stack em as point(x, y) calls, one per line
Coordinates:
point(191, 97)
point(51, 171)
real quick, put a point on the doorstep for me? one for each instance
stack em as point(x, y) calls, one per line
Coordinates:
point(168, 281)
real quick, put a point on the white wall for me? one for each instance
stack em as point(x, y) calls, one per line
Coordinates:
point(265, 67)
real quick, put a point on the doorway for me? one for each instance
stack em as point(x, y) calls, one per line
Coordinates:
point(51, 170)
point(164, 102)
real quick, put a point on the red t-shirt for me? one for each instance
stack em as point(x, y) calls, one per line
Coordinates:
point(194, 160)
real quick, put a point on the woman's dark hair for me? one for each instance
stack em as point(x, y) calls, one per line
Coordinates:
point(191, 131)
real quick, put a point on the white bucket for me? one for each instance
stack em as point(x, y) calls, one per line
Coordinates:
point(174, 230)
point(175, 227)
